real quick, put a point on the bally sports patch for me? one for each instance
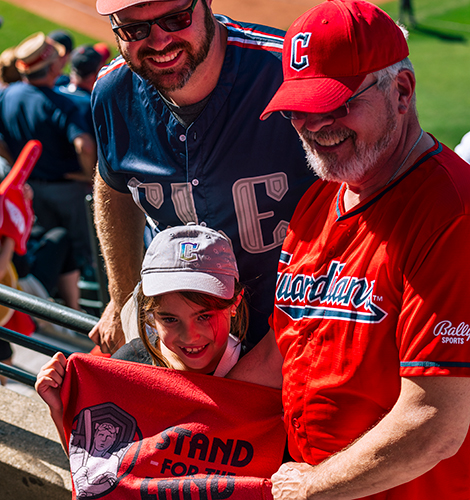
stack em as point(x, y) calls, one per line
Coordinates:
point(142, 432)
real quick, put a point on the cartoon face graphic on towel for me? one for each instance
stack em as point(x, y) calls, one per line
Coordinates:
point(100, 439)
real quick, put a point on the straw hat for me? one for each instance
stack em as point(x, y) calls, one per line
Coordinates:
point(36, 52)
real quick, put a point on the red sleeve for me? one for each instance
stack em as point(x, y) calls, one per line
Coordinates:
point(433, 331)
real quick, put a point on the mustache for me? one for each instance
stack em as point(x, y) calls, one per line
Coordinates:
point(327, 135)
point(149, 52)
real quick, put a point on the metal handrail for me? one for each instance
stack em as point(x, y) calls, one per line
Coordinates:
point(29, 343)
point(47, 310)
point(43, 309)
point(19, 374)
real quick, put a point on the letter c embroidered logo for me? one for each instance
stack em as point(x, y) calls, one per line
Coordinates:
point(299, 41)
point(187, 251)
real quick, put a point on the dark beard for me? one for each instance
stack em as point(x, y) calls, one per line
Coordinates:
point(157, 79)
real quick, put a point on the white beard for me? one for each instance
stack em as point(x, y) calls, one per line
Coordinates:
point(354, 169)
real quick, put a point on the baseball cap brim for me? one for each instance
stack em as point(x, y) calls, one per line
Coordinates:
point(157, 283)
point(107, 7)
point(313, 95)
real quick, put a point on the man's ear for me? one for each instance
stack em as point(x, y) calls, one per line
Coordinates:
point(405, 84)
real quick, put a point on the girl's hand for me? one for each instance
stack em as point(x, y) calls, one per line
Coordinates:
point(49, 381)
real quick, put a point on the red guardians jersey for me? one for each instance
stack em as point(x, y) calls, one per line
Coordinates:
point(368, 296)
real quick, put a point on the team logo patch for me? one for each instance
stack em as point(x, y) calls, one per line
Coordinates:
point(188, 251)
point(328, 296)
point(297, 60)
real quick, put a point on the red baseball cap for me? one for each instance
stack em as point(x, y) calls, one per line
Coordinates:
point(107, 7)
point(328, 52)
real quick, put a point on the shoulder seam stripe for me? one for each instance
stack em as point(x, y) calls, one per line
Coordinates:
point(259, 44)
point(110, 69)
point(256, 34)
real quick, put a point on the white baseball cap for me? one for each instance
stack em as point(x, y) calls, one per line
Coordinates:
point(189, 258)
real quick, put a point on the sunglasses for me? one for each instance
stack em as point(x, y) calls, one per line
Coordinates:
point(133, 32)
point(340, 112)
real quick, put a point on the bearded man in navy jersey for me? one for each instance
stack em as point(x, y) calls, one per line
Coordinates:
point(180, 140)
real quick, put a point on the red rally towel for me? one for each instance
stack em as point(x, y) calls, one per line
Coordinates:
point(142, 432)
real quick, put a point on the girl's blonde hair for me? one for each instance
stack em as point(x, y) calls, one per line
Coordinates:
point(147, 306)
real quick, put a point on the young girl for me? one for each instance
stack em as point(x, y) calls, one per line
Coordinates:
point(192, 312)
point(190, 295)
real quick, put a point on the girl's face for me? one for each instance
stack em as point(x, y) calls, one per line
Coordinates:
point(191, 338)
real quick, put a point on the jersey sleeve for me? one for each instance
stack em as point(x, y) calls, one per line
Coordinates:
point(433, 333)
point(106, 112)
point(113, 180)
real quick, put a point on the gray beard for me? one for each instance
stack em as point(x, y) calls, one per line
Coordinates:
point(366, 156)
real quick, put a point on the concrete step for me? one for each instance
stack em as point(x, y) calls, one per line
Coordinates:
point(33, 465)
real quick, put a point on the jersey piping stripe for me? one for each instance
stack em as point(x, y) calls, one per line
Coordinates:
point(253, 45)
point(117, 63)
point(279, 41)
point(371, 202)
point(243, 37)
point(252, 32)
point(430, 364)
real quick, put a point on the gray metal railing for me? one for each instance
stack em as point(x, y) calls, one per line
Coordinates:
point(42, 309)
point(47, 310)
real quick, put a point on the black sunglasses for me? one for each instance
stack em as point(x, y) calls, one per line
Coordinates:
point(133, 32)
point(340, 112)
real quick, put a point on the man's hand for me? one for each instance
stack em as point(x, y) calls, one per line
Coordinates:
point(107, 333)
point(289, 481)
point(428, 423)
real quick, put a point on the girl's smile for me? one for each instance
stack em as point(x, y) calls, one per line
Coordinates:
point(191, 337)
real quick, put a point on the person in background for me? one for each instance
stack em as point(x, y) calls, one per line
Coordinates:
point(103, 49)
point(8, 72)
point(9, 318)
point(371, 314)
point(463, 147)
point(405, 9)
point(66, 40)
point(31, 109)
point(85, 63)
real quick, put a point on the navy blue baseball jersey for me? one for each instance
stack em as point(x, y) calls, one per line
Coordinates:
point(228, 169)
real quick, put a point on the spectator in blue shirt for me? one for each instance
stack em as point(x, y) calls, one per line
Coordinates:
point(85, 63)
point(30, 109)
